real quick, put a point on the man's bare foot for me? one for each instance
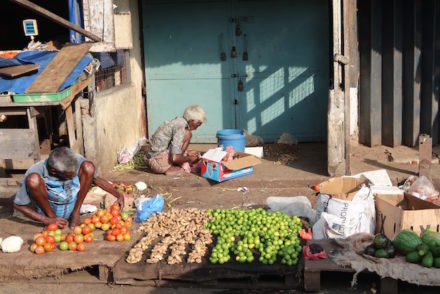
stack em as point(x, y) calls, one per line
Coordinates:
point(75, 220)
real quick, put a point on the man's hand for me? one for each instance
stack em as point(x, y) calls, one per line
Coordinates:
point(75, 220)
point(121, 200)
point(61, 222)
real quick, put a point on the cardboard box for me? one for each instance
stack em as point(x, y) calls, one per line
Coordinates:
point(405, 212)
point(342, 187)
point(221, 171)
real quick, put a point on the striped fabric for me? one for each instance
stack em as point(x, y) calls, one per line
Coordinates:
point(62, 196)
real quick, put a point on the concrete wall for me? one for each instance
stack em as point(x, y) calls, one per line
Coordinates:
point(118, 116)
point(114, 124)
point(137, 75)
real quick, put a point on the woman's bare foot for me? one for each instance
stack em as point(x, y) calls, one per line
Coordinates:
point(174, 170)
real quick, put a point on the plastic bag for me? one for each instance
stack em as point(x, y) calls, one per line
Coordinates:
point(126, 153)
point(297, 205)
point(145, 207)
point(308, 255)
point(423, 188)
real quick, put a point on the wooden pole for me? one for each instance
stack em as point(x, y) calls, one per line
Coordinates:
point(347, 8)
point(59, 20)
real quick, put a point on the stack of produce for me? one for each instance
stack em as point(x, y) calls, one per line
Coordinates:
point(112, 220)
point(381, 247)
point(115, 222)
point(247, 233)
point(424, 249)
point(178, 231)
point(47, 240)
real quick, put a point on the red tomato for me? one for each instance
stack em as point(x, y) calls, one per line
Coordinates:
point(88, 238)
point(50, 239)
point(70, 238)
point(120, 237)
point(128, 223)
point(54, 245)
point(92, 227)
point(39, 250)
point(115, 212)
point(127, 236)
point(79, 239)
point(52, 227)
point(114, 220)
point(63, 237)
point(95, 219)
point(86, 230)
point(116, 206)
point(33, 247)
point(124, 230)
point(72, 246)
point(119, 218)
point(37, 235)
point(47, 247)
point(40, 241)
point(87, 221)
point(45, 233)
point(116, 232)
point(81, 247)
point(104, 219)
point(77, 230)
point(111, 238)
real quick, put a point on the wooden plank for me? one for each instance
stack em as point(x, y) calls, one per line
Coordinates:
point(61, 66)
point(347, 21)
point(59, 20)
point(78, 126)
point(429, 103)
point(371, 72)
point(75, 90)
point(17, 163)
point(425, 155)
point(392, 100)
point(32, 120)
point(17, 144)
point(71, 130)
point(388, 286)
point(437, 67)
point(13, 111)
point(104, 273)
point(412, 61)
point(18, 70)
point(335, 114)
point(312, 281)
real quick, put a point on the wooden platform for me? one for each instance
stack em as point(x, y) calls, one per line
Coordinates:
point(314, 268)
point(27, 265)
point(231, 275)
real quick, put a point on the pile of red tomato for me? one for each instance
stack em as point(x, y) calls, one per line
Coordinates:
point(117, 225)
point(47, 240)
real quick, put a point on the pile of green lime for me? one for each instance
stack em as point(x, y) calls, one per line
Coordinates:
point(256, 232)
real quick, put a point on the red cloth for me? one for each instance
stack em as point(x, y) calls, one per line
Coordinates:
point(308, 255)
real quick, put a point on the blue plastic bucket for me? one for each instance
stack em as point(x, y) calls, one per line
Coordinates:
point(232, 137)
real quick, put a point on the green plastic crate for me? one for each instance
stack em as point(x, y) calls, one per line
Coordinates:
point(42, 97)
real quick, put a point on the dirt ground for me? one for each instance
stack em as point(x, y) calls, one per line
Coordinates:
point(286, 171)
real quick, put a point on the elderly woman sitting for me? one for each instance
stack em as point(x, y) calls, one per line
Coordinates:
point(169, 152)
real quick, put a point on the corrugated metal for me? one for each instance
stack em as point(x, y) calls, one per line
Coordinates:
point(400, 65)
